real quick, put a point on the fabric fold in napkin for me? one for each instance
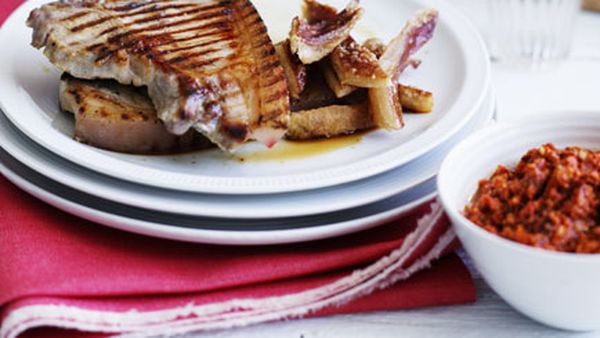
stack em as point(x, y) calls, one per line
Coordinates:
point(61, 271)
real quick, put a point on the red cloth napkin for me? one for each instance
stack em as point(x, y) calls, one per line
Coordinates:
point(60, 271)
point(7, 7)
point(62, 276)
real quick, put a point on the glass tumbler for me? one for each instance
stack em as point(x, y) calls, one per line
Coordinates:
point(531, 32)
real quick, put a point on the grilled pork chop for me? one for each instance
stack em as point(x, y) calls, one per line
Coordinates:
point(208, 64)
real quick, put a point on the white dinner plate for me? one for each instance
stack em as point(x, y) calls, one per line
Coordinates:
point(212, 230)
point(455, 68)
point(230, 206)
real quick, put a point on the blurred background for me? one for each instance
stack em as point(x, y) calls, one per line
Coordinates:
point(546, 53)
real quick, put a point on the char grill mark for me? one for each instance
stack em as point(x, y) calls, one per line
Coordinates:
point(261, 43)
point(132, 6)
point(212, 47)
point(155, 8)
point(202, 63)
point(162, 16)
point(236, 131)
point(270, 66)
point(271, 81)
point(90, 24)
point(145, 12)
point(182, 59)
point(208, 44)
point(204, 30)
point(129, 39)
point(275, 99)
point(74, 16)
point(219, 12)
point(276, 96)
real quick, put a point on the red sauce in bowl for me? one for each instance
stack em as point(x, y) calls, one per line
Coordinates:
point(550, 200)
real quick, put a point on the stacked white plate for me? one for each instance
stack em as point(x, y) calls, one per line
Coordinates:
point(211, 197)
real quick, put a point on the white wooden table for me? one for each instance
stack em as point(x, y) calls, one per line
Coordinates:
point(489, 317)
point(574, 85)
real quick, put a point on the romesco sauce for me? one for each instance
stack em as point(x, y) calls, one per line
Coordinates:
point(550, 200)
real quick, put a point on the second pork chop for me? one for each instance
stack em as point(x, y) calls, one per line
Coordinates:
point(120, 118)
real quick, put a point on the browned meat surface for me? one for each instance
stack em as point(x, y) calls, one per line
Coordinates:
point(208, 64)
point(357, 66)
point(415, 99)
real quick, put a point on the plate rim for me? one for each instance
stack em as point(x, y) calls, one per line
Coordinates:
point(205, 236)
point(299, 182)
point(98, 188)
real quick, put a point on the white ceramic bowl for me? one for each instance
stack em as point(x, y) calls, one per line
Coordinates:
point(558, 289)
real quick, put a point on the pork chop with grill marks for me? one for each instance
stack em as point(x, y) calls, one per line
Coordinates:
point(208, 64)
